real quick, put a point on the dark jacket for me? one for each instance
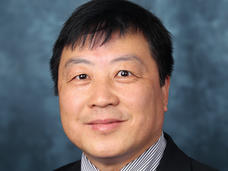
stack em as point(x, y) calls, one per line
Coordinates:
point(173, 160)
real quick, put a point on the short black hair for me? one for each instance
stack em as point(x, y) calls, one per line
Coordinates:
point(97, 19)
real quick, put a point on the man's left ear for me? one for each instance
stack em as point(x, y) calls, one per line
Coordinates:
point(165, 93)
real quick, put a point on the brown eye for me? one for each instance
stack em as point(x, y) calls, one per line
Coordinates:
point(82, 77)
point(124, 73)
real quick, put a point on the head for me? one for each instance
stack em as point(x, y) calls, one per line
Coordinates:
point(101, 18)
point(111, 66)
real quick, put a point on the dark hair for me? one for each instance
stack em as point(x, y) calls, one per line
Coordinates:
point(98, 19)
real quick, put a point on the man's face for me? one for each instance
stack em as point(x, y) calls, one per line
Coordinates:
point(111, 101)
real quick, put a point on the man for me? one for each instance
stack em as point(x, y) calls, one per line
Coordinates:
point(111, 66)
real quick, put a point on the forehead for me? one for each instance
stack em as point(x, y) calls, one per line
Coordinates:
point(95, 42)
point(130, 44)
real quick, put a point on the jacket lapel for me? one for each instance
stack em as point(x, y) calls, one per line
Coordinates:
point(173, 158)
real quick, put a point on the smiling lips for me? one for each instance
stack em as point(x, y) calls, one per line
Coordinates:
point(105, 125)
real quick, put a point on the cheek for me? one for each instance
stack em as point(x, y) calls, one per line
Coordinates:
point(144, 104)
point(71, 107)
point(71, 104)
point(141, 97)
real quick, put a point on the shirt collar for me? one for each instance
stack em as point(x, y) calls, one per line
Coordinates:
point(148, 161)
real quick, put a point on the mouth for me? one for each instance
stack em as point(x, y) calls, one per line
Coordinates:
point(105, 125)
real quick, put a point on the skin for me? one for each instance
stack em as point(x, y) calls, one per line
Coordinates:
point(118, 80)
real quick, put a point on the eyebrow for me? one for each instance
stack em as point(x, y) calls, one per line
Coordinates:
point(128, 58)
point(79, 60)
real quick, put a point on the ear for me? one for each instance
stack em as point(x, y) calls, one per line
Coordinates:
point(165, 93)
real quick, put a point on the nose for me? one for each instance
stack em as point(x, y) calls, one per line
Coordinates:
point(102, 95)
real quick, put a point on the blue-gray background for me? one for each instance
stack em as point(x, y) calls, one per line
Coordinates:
point(31, 137)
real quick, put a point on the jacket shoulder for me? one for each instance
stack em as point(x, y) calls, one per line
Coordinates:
point(75, 166)
point(197, 166)
point(175, 159)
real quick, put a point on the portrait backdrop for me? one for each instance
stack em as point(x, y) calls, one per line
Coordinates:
point(31, 136)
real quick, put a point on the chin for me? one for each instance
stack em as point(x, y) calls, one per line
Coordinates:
point(105, 152)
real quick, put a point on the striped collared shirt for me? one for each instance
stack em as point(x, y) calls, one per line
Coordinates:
point(148, 161)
